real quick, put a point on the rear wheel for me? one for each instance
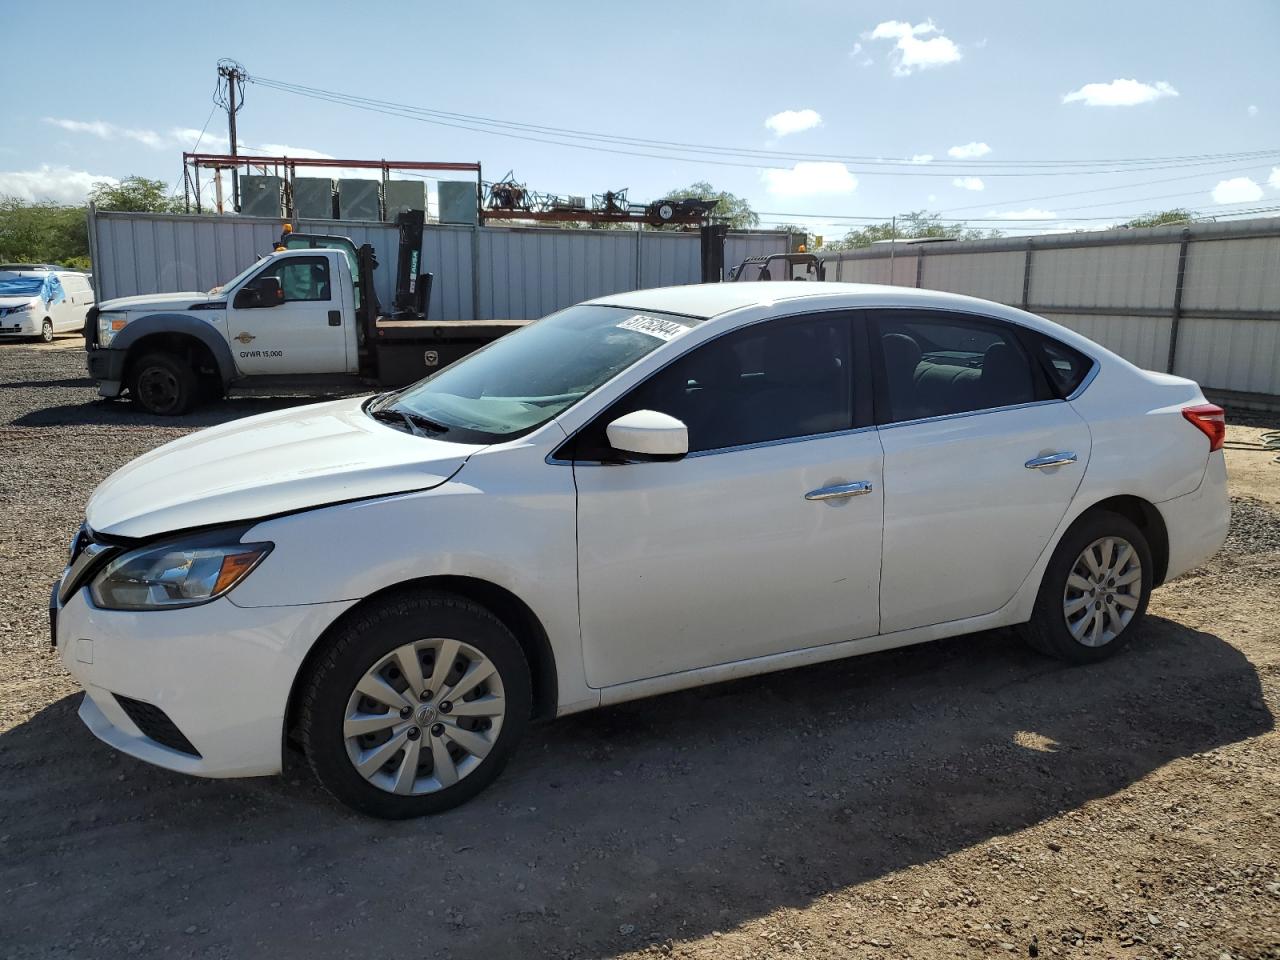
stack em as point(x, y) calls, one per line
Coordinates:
point(415, 705)
point(163, 384)
point(46, 330)
point(1094, 591)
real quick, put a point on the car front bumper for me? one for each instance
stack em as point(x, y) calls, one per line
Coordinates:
point(25, 324)
point(218, 674)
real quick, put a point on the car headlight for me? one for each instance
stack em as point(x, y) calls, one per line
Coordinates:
point(21, 308)
point(175, 574)
point(110, 323)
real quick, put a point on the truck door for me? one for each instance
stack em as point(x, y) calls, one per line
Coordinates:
point(305, 330)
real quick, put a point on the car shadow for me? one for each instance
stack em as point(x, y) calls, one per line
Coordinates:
point(661, 819)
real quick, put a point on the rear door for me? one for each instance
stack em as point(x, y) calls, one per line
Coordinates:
point(981, 461)
point(307, 331)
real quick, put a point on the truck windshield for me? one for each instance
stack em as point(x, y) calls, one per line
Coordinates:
point(528, 377)
point(238, 277)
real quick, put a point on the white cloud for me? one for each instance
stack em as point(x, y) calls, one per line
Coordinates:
point(1120, 93)
point(1029, 213)
point(857, 49)
point(793, 121)
point(183, 138)
point(969, 151)
point(1252, 110)
point(59, 184)
point(921, 158)
point(911, 52)
point(1237, 190)
point(969, 183)
point(1273, 181)
point(808, 178)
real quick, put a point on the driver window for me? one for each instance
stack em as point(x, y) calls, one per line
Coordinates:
point(781, 379)
point(302, 278)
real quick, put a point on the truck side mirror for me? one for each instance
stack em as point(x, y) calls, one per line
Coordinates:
point(259, 292)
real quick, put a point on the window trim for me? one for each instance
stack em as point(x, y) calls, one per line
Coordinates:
point(290, 261)
point(861, 383)
point(1045, 393)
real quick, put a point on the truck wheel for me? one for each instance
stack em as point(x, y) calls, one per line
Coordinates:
point(163, 384)
point(46, 330)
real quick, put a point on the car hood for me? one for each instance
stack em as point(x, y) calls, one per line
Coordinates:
point(267, 465)
point(6, 302)
point(156, 301)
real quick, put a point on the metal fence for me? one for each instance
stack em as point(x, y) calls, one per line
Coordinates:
point(1201, 301)
point(481, 273)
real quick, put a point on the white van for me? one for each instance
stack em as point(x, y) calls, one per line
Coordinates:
point(41, 300)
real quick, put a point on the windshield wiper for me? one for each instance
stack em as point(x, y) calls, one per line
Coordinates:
point(418, 425)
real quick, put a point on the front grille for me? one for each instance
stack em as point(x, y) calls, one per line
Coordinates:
point(155, 724)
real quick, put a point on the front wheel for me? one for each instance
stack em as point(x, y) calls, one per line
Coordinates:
point(1095, 590)
point(164, 384)
point(46, 331)
point(415, 705)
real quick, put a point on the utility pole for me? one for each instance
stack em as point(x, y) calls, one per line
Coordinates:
point(233, 75)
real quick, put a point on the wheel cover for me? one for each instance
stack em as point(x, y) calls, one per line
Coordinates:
point(424, 716)
point(1103, 591)
point(46, 331)
point(158, 388)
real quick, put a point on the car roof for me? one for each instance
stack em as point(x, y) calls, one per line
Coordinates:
point(706, 300)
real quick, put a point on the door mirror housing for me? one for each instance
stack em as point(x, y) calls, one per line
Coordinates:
point(647, 435)
point(259, 292)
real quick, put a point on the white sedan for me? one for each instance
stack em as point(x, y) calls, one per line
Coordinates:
point(650, 491)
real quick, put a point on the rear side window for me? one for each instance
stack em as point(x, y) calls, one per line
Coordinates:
point(1065, 367)
point(936, 365)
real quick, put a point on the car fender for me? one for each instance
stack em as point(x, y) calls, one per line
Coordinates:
point(506, 518)
point(181, 324)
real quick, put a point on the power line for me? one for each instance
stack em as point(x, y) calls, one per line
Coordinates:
point(607, 143)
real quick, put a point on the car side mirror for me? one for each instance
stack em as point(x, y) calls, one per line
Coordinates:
point(647, 435)
point(260, 292)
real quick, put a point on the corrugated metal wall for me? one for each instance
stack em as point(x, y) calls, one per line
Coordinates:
point(480, 273)
point(1201, 301)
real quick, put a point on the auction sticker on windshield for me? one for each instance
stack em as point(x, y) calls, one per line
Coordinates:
point(653, 326)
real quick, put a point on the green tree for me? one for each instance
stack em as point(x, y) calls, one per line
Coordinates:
point(729, 209)
point(135, 195)
point(916, 225)
point(1160, 218)
point(42, 233)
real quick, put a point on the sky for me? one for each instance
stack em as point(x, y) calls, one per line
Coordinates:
point(1008, 115)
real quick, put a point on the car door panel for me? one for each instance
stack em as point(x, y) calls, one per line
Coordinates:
point(720, 557)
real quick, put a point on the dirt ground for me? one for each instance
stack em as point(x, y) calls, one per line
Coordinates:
point(960, 799)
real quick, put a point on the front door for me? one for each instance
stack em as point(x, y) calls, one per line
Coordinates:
point(764, 539)
point(966, 419)
point(304, 333)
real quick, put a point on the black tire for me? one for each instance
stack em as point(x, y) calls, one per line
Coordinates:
point(373, 633)
point(163, 384)
point(1048, 630)
point(46, 331)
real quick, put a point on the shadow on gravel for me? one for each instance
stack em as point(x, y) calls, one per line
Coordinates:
point(121, 413)
point(665, 818)
point(64, 382)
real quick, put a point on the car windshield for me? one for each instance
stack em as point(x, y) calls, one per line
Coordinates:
point(238, 277)
point(21, 286)
point(526, 378)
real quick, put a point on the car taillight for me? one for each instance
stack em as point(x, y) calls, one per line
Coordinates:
point(1209, 419)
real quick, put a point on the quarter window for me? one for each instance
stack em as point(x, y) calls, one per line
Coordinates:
point(937, 365)
point(777, 380)
point(301, 278)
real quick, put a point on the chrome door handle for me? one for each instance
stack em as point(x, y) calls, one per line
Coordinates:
point(1050, 460)
point(840, 491)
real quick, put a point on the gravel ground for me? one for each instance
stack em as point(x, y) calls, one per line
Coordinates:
point(959, 799)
